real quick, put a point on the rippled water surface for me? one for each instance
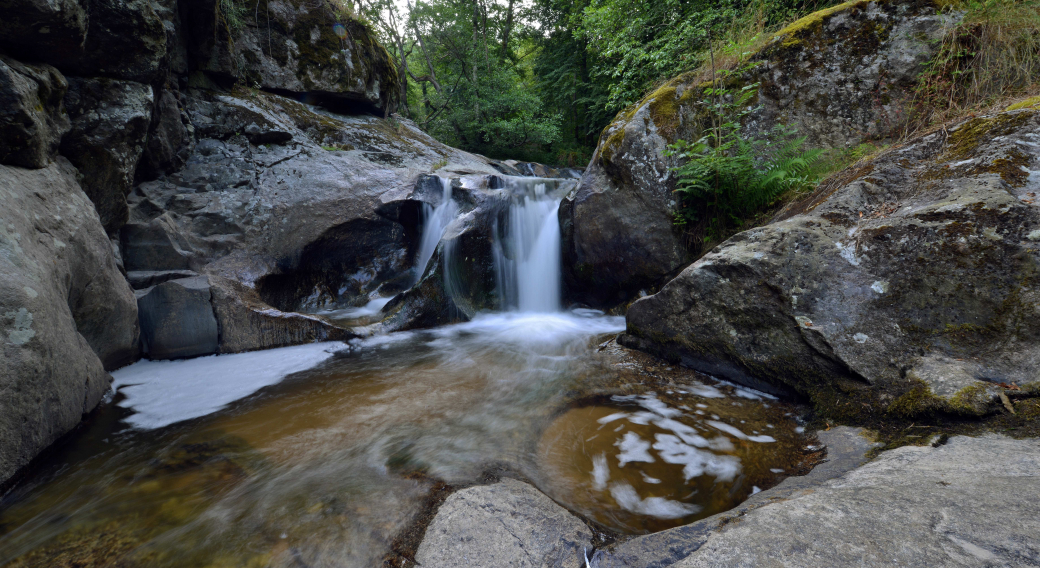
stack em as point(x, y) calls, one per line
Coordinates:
point(321, 455)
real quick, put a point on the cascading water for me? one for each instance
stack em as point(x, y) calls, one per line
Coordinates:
point(527, 251)
point(323, 455)
point(435, 221)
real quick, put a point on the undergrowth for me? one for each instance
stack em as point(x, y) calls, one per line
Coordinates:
point(726, 179)
point(991, 57)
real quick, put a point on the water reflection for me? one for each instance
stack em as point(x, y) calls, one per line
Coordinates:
point(325, 467)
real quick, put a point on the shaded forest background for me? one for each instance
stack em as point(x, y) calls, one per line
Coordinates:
point(540, 79)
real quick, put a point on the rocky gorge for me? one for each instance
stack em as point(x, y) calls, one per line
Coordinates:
point(177, 187)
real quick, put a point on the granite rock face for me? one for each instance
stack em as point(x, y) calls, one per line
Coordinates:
point(45, 30)
point(287, 208)
point(619, 221)
point(32, 115)
point(297, 46)
point(506, 524)
point(914, 506)
point(886, 286)
point(110, 120)
point(66, 313)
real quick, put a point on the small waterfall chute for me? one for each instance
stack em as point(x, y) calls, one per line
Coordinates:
point(435, 222)
point(527, 249)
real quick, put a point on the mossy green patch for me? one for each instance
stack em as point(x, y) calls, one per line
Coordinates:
point(916, 402)
point(1028, 103)
point(813, 23)
point(965, 140)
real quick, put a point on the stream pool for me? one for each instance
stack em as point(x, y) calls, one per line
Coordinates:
point(323, 455)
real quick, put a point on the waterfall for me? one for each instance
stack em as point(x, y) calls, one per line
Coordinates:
point(527, 251)
point(435, 221)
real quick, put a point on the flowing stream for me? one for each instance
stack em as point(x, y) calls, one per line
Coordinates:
point(323, 455)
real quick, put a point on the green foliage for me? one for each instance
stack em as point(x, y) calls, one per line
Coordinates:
point(479, 94)
point(640, 43)
point(231, 15)
point(725, 178)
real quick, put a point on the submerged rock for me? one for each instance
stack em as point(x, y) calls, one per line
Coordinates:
point(619, 220)
point(908, 282)
point(66, 313)
point(505, 524)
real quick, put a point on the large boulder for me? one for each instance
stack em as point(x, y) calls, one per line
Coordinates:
point(505, 524)
point(293, 45)
point(619, 221)
point(32, 115)
point(66, 313)
point(177, 319)
point(110, 121)
point(290, 211)
point(913, 506)
point(126, 39)
point(43, 30)
point(908, 283)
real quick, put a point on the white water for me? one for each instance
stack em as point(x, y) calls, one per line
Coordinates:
point(435, 222)
point(527, 259)
point(165, 392)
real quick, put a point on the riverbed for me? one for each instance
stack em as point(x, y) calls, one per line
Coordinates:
point(323, 455)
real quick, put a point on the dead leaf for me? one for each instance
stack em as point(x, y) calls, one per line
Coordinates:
point(1007, 403)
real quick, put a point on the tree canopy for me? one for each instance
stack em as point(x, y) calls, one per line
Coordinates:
point(540, 79)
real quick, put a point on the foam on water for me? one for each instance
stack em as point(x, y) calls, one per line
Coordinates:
point(164, 392)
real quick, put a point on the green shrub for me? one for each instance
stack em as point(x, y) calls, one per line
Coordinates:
point(726, 179)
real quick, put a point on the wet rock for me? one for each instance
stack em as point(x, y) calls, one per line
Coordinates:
point(177, 319)
point(846, 450)
point(32, 115)
point(914, 506)
point(141, 279)
point(248, 324)
point(110, 121)
point(318, 220)
point(43, 30)
point(297, 46)
point(508, 523)
point(65, 310)
point(886, 286)
point(622, 237)
point(169, 142)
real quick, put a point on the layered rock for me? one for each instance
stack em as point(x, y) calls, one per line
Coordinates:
point(66, 313)
point(619, 220)
point(302, 47)
point(909, 284)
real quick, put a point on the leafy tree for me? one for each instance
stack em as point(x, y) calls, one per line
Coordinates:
point(476, 92)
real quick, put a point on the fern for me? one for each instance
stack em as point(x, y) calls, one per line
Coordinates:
point(726, 179)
